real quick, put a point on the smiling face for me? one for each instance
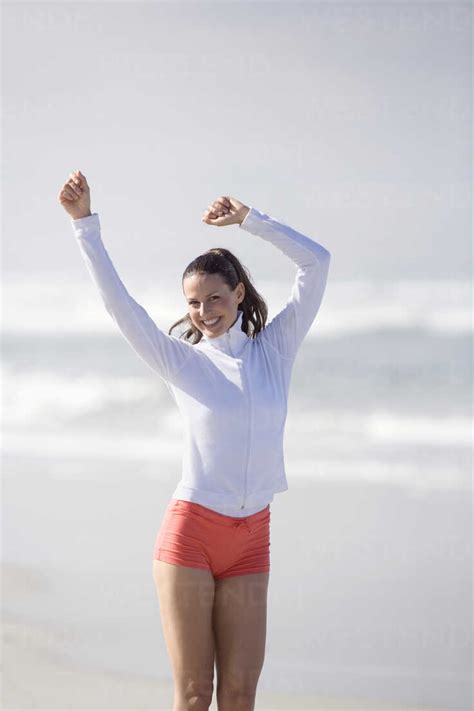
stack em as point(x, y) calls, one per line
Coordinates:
point(208, 297)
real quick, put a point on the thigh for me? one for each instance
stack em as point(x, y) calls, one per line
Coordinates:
point(240, 625)
point(186, 597)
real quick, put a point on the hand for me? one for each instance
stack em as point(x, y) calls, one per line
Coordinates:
point(75, 196)
point(225, 211)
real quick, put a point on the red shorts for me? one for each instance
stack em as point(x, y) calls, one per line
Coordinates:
point(196, 536)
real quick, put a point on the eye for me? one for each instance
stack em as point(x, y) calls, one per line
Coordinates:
point(191, 303)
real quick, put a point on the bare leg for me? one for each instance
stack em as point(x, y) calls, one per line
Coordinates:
point(240, 624)
point(186, 598)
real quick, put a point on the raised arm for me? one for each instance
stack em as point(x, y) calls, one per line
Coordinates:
point(164, 354)
point(288, 328)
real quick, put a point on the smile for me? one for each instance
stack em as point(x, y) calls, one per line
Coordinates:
point(212, 322)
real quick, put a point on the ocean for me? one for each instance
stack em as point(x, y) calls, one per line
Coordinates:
point(381, 388)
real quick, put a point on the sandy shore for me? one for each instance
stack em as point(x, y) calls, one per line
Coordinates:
point(35, 677)
point(377, 581)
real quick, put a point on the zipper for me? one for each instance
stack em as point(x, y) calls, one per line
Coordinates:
point(228, 341)
point(250, 425)
point(248, 437)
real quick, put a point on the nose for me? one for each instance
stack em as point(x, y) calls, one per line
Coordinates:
point(203, 315)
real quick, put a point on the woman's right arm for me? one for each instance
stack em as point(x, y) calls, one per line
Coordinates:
point(164, 354)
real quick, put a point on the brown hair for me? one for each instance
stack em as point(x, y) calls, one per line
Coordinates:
point(219, 260)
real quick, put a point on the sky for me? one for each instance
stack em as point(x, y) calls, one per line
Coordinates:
point(351, 122)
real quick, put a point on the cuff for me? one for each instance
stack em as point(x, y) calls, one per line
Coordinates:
point(252, 217)
point(86, 225)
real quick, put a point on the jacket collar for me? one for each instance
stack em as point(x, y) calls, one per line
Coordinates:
point(231, 341)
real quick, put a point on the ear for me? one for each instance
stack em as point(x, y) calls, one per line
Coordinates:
point(241, 292)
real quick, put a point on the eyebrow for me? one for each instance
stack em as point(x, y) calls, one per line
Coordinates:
point(191, 298)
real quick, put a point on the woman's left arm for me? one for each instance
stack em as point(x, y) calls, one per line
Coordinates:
point(289, 327)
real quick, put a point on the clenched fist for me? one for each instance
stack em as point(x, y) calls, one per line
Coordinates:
point(75, 196)
point(225, 211)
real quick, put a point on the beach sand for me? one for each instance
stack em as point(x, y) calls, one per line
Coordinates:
point(34, 677)
point(36, 674)
point(378, 591)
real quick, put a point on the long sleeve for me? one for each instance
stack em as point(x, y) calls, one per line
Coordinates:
point(164, 354)
point(288, 328)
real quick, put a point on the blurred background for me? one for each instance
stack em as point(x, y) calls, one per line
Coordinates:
point(350, 122)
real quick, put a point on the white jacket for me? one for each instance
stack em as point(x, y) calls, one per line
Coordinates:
point(231, 390)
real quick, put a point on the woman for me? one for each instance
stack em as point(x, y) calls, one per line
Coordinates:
point(229, 373)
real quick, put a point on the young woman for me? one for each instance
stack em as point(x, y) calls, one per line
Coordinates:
point(229, 373)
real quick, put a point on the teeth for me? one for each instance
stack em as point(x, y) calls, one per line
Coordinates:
point(211, 323)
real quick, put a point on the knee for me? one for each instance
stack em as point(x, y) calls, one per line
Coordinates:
point(231, 699)
point(197, 702)
point(237, 689)
point(191, 695)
